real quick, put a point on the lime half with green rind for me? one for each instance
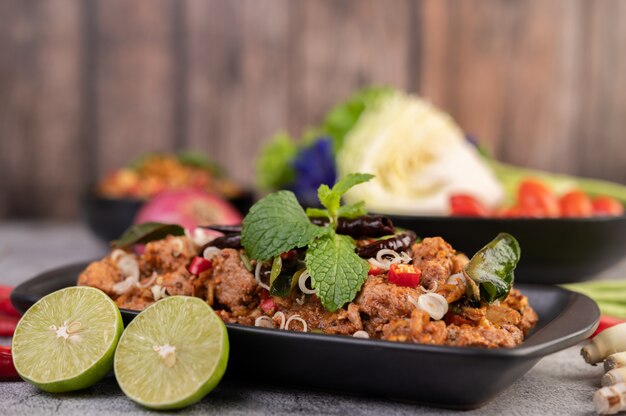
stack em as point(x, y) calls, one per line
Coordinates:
point(172, 354)
point(66, 341)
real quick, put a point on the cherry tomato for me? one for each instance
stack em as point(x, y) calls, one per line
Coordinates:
point(467, 206)
point(537, 198)
point(517, 211)
point(576, 204)
point(607, 206)
point(404, 275)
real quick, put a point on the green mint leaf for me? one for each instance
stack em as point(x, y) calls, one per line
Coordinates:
point(331, 198)
point(352, 210)
point(349, 181)
point(317, 212)
point(276, 224)
point(337, 272)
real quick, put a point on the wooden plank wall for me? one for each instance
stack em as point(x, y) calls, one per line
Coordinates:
point(87, 85)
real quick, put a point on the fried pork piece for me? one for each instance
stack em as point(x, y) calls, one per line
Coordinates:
point(102, 274)
point(343, 321)
point(484, 336)
point(436, 259)
point(419, 328)
point(515, 300)
point(234, 286)
point(166, 255)
point(383, 302)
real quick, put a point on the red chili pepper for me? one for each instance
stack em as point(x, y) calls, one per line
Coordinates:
point(467, 206)
point(268, 306)
point(7, 325)
point(404, 275)
point(199, 264)
point(7, 369)
point(606, 322)
point(6, 307)
point(607, 206)
point(373, 271)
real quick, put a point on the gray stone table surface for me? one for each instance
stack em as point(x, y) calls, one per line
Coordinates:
point(560, 384)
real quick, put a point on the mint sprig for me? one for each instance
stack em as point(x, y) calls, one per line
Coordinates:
point(277, 223)
point(331, 198)
point(337, 272)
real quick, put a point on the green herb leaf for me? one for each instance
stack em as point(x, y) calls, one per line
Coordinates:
point(337, 272)
point(352, 210)
point(491, 270)
point(276, 224)
point(277, 266)
point(331, 198)
point(274, 169)
point(146, 232)
point(317, 212)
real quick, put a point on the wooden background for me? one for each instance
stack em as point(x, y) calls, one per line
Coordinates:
point(85, 86)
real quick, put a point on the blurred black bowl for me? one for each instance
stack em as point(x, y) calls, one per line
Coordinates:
point(108, 218)
point(554, 250)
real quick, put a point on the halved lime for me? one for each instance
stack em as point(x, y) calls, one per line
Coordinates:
point(66, 340)
point(172, 354)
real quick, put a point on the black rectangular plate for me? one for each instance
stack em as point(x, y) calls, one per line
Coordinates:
point(442, 376)
point(554, 250)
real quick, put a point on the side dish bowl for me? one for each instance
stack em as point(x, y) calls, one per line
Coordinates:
point(554, 250)
point(442, 376)
point(108, 218)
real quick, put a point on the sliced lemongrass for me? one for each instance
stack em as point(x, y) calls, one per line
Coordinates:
point(455, 279)
point(257, 276)
point(158, 292)
point(361, 334)
point(179, 247)
point(117, 253)
point(210, 252)
point(299, 319)
point(300, 300)
point(304, 276)
point(264, 322)
point(125, 285)
point(380, 256)
point(128, 265)
point(150, 281)
point(432, 289)
point(381, 265)
point(433, 304)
